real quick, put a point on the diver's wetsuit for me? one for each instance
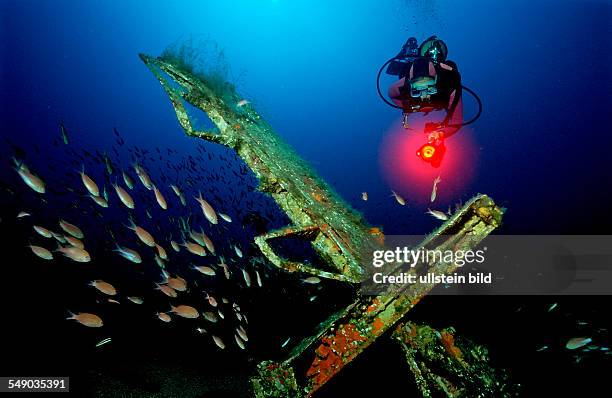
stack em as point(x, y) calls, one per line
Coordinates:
point(448, 96)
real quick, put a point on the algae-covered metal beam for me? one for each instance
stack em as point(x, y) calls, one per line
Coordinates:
point(316, 211)
point(445, 364)
point(339, 234)
point(346, 335)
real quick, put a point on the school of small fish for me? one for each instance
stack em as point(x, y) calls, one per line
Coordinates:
point(162, 213)
point(143, 246)
point(136, 252)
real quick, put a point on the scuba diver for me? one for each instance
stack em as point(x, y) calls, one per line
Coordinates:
point(427, 81)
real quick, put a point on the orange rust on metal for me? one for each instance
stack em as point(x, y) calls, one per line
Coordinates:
point(317, 213)
point(373, 316)
point(372, 307)
point(448, 342)
point(332, 354)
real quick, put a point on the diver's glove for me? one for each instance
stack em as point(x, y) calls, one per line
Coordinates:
point(434, 131)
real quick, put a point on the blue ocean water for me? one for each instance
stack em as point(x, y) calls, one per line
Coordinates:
point(541, 68)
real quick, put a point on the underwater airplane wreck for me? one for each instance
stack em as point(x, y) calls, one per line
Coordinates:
point(442, 363)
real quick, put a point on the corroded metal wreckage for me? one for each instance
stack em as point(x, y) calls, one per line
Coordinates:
point(341, 237)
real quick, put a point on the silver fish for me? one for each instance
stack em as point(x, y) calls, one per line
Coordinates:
point(143, 176)
point(128, 254)
point(577, 342)
point(128, 180)
point(239, 342)
point(247, 277)
point(434, 190)
point(207, 209)
point(22, 214)
point(313, 280)
point(398, 198)
point(89, 184)
point(125, 197)
point(31, 180)
point(218, 342)
point(437, 214)
point(102, 342)
point(204, 270)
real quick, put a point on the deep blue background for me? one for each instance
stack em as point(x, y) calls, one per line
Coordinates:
point(542, 69)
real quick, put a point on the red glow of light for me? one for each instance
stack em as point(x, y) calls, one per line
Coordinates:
point(412, 177)
point(428, 151)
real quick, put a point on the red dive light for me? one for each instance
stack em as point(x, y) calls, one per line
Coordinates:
point(432, 152)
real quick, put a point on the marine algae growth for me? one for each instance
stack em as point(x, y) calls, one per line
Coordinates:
point(341, 237)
